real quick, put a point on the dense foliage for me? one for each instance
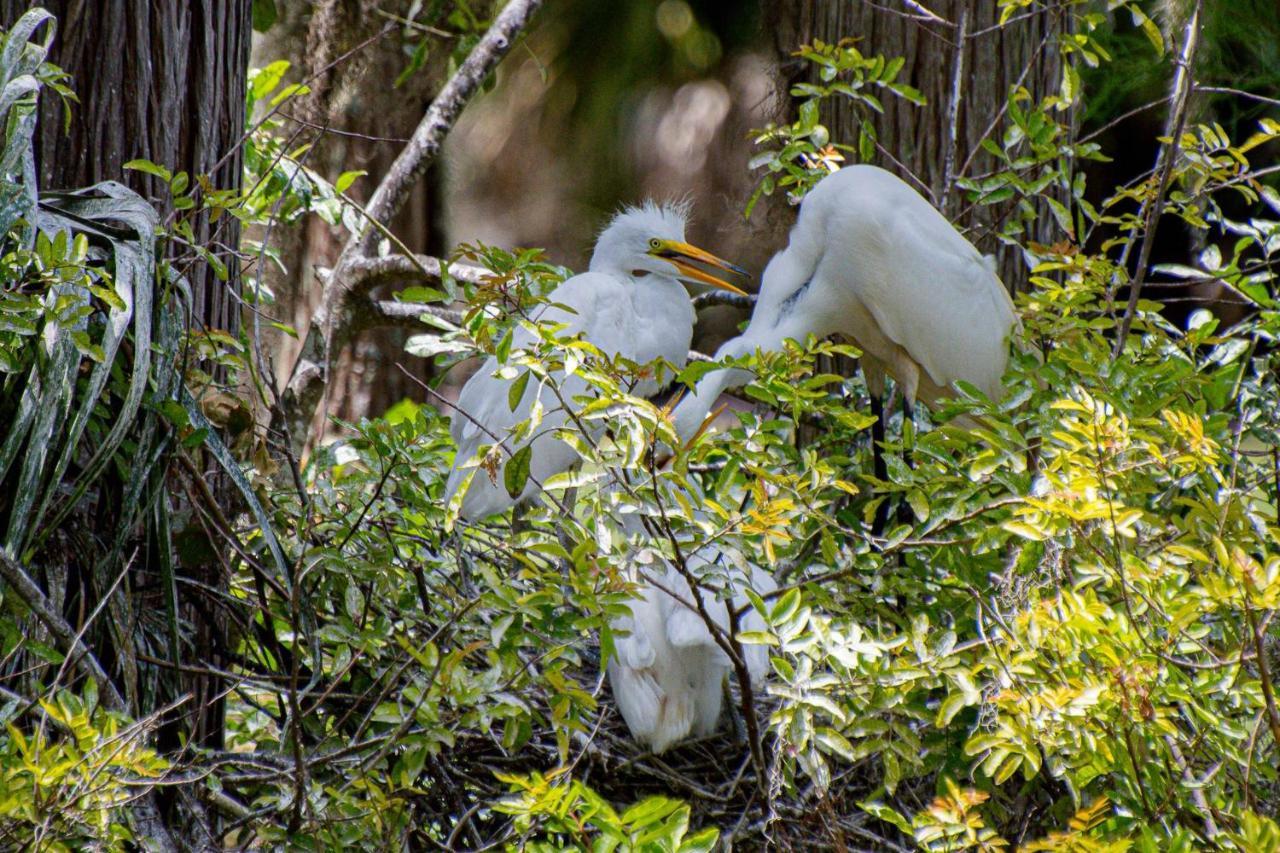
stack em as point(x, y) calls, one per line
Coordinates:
point(1065, 640)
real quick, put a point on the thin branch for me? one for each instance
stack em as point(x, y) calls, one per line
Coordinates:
point(430, 134)
point(920, 13)
point(1239, 93)
point(143, 809)
point(926, 14)
point(1180, 97)
point(1124, 115)
point(1039, 10)
point(721, 297)
point(336, 132)
point(1264, 671)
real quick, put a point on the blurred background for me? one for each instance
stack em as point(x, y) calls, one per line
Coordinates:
point(604, 104)
point(608, 103)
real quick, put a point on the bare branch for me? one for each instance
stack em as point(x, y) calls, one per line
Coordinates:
point(926, 14)
point(336, 316)
point(723, 297)
point(441, 115)
point(1239, 93)
point(364, 274)
point(1179, 98)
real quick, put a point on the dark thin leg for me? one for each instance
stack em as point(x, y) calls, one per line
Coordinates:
point(904, 514)
point(909, 438)
point(880, 524)
point(878, 467)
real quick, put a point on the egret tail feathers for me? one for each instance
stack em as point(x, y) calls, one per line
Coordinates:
point(654, 717)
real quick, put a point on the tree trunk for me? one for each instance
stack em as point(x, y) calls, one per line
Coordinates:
point(964, 65)
point(163, 81)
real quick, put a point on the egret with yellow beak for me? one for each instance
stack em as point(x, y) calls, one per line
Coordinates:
point(631, 303)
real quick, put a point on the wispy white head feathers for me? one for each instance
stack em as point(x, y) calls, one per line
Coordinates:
point(624, 243)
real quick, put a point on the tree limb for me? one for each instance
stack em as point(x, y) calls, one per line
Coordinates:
point(335, 317)
point(1179, 98)
point(430, 134)
point(365, 274)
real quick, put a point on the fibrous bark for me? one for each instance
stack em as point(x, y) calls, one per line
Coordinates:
point(162, 81)
point(964, 64)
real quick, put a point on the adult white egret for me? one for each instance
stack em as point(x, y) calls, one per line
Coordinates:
point(630, 303)
point(870, 259)
point(668, 673)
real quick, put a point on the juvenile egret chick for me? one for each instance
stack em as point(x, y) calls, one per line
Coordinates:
point(869, 258)
point(668, 675)
point(630, 303)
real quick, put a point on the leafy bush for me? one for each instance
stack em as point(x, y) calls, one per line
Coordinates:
point(1066, 640)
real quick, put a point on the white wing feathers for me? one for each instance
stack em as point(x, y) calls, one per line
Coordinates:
point(591, 304)
point(667, 676)
point(929, 290)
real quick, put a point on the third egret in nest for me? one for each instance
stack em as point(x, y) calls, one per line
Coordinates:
point(668, 675)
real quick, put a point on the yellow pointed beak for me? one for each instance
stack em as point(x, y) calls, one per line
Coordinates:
point(680, 255)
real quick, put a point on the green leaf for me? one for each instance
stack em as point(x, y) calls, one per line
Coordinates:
point(919, 504)
point(1149, 28)
point(516, 472)
point(266, 79)
point(835, 743)
point(703, 841)
point(516, 392)
point(785, 607)
point(951, 706)
point(150, 168)
point(346, 179)
point(421, 294)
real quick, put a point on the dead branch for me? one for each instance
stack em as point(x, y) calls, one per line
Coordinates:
point(1179, 98)
point(364, 274)
point(342, 305)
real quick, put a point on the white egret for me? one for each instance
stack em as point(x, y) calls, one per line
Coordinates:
point(668, 673)
point(630, 303)
point(870, 259)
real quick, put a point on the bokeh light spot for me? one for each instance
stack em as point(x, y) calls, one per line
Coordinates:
point(674, 18)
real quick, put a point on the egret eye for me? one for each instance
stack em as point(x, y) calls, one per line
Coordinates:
point(655, 243)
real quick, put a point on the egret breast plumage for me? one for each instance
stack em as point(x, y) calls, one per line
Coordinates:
point(630, 303)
